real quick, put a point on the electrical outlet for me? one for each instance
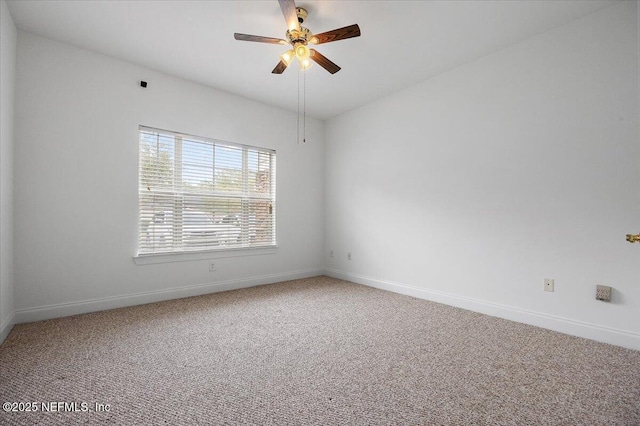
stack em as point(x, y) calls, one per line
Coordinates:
point(212, 266)
point(603, 293)
point(548, 284)
point(349, 256)
point(331, 253)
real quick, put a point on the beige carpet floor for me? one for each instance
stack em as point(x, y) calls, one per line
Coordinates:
point(318, 351)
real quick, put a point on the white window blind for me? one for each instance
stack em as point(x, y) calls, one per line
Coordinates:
point(199, 194)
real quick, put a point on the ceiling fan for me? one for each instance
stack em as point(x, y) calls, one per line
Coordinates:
point(300, 37)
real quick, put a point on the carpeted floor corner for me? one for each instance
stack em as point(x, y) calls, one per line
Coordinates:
point(317, 351)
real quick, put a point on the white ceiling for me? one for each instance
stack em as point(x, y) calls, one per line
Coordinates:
point(402, 42)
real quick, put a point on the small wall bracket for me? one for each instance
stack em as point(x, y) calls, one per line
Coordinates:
point(603, 293)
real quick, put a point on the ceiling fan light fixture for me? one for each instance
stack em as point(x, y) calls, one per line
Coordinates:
point(302, 52)
point(287, 57)
point(305, 64)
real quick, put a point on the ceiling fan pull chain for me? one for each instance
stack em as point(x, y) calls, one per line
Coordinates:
point(298, 115)
point(304, 106)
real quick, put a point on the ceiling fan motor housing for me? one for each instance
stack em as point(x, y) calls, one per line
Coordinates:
point(303, 36)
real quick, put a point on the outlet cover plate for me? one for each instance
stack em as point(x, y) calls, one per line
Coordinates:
point(549, 284)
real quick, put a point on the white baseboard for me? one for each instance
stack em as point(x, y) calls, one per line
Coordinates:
point(6, 326)
point(93, 305)
point(595, 332)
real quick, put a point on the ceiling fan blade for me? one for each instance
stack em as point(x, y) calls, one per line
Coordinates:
point(324, 62)
point(279, 69)
point(260, 39)
point(289, 11)
point(335, 35)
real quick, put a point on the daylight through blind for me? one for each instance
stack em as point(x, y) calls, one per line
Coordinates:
point(199, 194)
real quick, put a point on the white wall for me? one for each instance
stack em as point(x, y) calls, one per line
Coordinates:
point(77, 117)
point(473, 187)
point(8, 37)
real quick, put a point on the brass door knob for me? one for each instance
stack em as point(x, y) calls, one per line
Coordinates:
point(633, 238)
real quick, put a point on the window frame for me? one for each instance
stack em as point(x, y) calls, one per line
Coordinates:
point(179, 194)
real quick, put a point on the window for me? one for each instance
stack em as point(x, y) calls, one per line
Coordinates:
point(198, 194)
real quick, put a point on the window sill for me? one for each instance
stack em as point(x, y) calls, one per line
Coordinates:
point(150, 259)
